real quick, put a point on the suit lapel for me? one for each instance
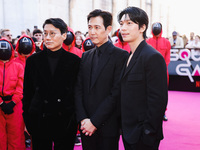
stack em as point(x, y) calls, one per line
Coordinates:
point(134, 57)
point(102, 62)
point(88, 65)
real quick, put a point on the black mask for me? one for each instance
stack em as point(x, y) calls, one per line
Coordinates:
point(70, 38)
point(25, 46)
point(156, 28)
point(5, 50)
point(120, 36)
point(87, 45)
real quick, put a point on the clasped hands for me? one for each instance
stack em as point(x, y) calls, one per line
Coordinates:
point(87, 127)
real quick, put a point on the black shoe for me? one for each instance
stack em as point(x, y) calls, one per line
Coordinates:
point(165, 118)
point(77, 141)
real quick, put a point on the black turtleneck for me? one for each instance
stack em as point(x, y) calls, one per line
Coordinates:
point(53, 57)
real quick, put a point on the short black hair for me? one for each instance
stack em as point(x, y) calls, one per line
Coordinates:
point(58, 23)
point(136, 15)
point(107, 16)
point(34, 39)
point(37, 31)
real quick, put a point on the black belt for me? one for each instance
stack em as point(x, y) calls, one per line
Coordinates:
point(6, 98)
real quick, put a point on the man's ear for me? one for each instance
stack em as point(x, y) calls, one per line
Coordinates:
point(109, 29)
point(64, 36)
point(143, 28)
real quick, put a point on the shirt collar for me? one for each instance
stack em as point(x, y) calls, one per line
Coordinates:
point(102, 48)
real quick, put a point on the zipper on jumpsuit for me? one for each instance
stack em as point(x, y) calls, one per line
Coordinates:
point(156, 43)
point(3, 77)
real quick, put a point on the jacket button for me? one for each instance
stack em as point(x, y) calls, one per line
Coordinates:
point(45, 101)
point(146, 131)
point(59, 100)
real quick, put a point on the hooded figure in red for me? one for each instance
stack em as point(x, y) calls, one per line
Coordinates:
point(121, 44)
point(25, 48)
point(160, 43)
point(11, 89)
point(69, 43)
point(87, 44)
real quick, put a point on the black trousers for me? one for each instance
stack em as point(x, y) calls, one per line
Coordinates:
point(141, 146)
point(98, 142)
point(47, 144)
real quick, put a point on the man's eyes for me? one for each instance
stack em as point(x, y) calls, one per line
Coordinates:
point(129, 22)
point(96, 27)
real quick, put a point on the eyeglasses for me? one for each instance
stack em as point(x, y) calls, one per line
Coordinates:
point(51, 34)
point(9, 35)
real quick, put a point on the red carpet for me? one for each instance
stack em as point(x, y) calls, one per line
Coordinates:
point(182, 130)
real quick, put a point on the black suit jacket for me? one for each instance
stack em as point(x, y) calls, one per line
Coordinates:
point(48, 100)
point(98, 100)
point(144, 96)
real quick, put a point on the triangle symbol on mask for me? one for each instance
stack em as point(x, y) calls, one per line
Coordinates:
point(88, 43)
point(25, 39)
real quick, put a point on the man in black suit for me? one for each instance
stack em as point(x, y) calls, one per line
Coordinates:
point(143, 85)
point(97, 90)
point(49, 80)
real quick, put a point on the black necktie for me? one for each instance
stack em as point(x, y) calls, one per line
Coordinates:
point(95, 62)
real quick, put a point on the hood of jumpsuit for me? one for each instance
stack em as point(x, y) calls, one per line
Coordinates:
point(17, 45)
point(73, 43)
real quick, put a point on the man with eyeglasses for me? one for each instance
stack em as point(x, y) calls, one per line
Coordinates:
point(5, 33)
point(48, 98)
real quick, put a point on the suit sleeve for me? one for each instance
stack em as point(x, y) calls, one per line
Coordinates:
point(28, 92)
point(157, 94)
point(80, 110)
point(109, 105)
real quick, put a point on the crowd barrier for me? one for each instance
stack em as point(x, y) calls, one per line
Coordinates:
point(184, 70)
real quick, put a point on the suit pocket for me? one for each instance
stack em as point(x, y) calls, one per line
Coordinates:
point(135, 77)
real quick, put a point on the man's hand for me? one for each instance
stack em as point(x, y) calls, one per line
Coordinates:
point(87, 127)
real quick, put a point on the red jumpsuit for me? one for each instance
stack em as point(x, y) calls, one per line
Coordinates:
point(72, 48)
point(162, 45)
point(12, 125)
point(123, 45)
point(22, 59)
